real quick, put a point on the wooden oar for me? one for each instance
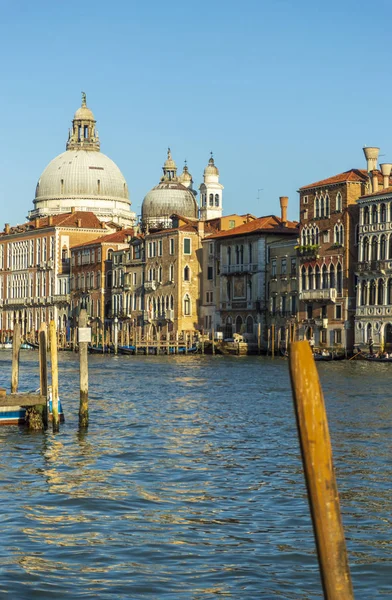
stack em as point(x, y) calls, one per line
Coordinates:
point(319, 473)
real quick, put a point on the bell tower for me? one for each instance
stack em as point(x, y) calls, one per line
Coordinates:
point(211, 193)
point(83, 135)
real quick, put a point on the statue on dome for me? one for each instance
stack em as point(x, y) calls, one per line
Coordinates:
point(84, 99)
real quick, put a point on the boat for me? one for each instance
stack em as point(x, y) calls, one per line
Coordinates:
point(375, 358)
point(27, 346)
point(127, 350)
point(328, 356)
point(100, 350)
point(6, 346)
point(16, 415)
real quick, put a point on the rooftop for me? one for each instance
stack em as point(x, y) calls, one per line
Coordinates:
point(268, 224)
point(352, 175)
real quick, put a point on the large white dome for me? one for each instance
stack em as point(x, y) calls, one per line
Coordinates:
point(83, 178)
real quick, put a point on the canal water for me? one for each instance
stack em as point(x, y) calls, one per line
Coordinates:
point(188, 483)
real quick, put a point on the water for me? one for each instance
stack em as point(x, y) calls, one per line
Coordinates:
point(188, 483)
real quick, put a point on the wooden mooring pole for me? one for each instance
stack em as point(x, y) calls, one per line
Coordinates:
point(55, 376)
point(258, 338)
point(83, 372)
point(320, 478)
point(43, 370)
point(15, 358)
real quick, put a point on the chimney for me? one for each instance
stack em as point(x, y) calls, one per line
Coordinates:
point(284, 202)
point(36, 222)
point(79, 222)
point(375, 180)
point(6, 228)
point(50, 220)
point(200, 228)
point(386, 169)
point(73, 209)
point(371, 155)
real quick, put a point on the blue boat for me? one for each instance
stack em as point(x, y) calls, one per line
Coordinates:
point(16, 415)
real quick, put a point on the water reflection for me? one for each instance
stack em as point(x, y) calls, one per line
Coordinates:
point(188, 483)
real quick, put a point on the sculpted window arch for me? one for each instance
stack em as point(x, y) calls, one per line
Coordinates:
point(366, 218)
point(383, 213)
point(374, 248)
point(383, 247)
point(303, 278)
point(374, 213)
point(339, 202)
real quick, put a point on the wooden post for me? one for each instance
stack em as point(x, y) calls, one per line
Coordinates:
point(15, 358)
point(43, 370)
point(319, 473)
point(55, 376)
point(202, 341)
point(269, 341)
point(83, 366)
point(258, 338)
point(213, 340)
point(115, 335)
point(185, 333)
point(176, 346)
point(168, 339)
point(273, 340)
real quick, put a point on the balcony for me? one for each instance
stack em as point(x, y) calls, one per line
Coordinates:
point(240, 268)
point(150, 286)
point(326, 295)
point(308, 252)
point(59, 298)
point(374, 266)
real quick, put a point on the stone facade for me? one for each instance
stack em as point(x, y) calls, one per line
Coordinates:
point(373, 319)
point(327, 254)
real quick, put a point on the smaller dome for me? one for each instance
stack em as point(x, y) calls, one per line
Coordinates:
point(169, 162)
point(84, 114)
point(185, 176)
point(211, 169)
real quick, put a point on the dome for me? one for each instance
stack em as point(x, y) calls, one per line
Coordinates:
point(81, 174)
point(84, 114)
point(211, 169)
point(83, 178)
point(167, 198)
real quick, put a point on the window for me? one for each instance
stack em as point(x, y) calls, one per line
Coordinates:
point(134, 278)
point(338, 336)
point(211, 199)
point(187, 245)
point(283, 266)
point(293, 305)
point(216, 199)
point(209, 297)
point(293, 271)
point(326, 237)
point(338, 311)
point(305, 199)
point(160, 248)
point(160, 274)
point(171, 246)
point(171, 273)
point(211, 248)
point(187, 305)
point(309, 311)
point(210, 273)
point(186, 273)
point(273, 268)
point(324, 336)
point(305, 213)
point(339, 202)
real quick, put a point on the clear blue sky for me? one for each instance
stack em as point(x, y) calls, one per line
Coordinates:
point(285, 93)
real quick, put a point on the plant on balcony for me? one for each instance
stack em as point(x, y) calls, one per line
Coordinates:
point(337, 245)
point(308, 249)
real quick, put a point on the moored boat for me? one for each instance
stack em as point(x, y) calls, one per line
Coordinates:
point(16, 415)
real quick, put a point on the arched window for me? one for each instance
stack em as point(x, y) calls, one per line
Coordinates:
point(383, 247)
point(338, 202)
point(317, 231)
point(229, 255)
point(322, 213)
point(383, 213)
point(317, 278)
point(187, 305)
point(365, 251)
point(372, 292)
point(237, 255)
point(374, 213)
point(216, 199)
point(325, 277)
point(249, 324)
point(238, 324)
point(380, 292)
point(366, 215)
point(186, 273)
point(339, 279)
point(303, 236)
point(388, 335)
point(389, 296)
point(312, 236)
point(374, 248)
point(317, 208)
point(390, 247)
point(310, 277)
point(303, 278)
point(368, 332)
point(362, 296)
point(99, 279)
point(327, 205)
point(229, 328)
point(211, 199)
point(308, 238)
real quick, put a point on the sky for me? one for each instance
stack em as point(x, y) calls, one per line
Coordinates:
point(284, 93)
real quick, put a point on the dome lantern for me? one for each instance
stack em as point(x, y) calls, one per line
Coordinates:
point(83, 135)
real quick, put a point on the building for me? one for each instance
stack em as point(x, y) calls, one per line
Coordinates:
point(241, 258)
point(327, 255)
point(35, 268)
point(91, 279)
point(282, 291)
point(83, 178)
point(373, 318)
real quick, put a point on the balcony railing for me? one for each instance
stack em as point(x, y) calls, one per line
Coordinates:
point(238, 268)
point(326, 295)
point(374, 266)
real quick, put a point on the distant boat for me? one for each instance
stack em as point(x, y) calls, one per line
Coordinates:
point(127, 350)
point(16, 415)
